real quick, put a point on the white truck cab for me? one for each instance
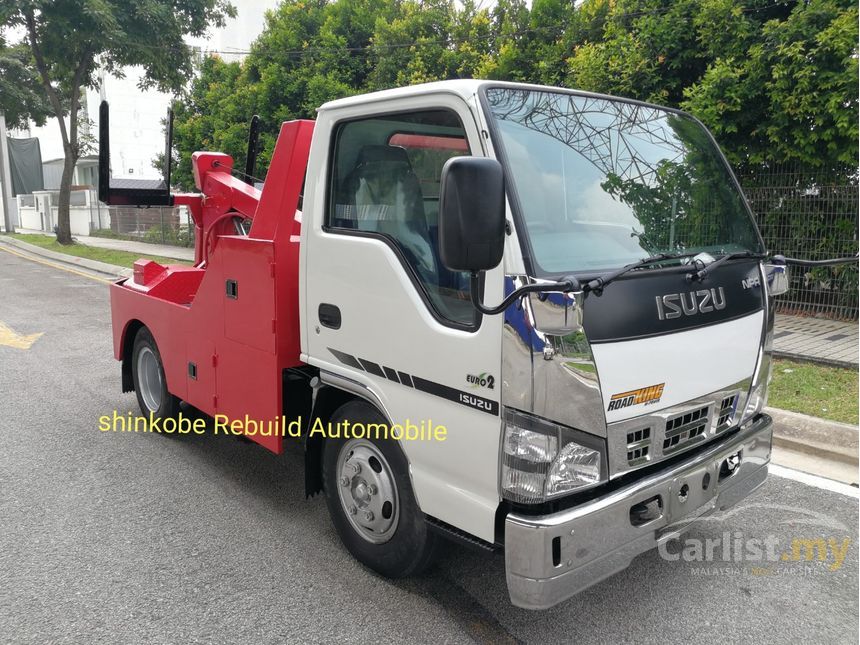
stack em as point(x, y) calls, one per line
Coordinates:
point(614, 398)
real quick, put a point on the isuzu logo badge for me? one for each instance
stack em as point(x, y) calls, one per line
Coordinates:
point(674, 305)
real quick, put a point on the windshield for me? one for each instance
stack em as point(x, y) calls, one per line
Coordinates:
point(602, 183)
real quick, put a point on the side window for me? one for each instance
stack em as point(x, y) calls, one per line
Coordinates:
point(385, 178)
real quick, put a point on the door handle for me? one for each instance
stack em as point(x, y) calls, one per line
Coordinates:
point(329, 316)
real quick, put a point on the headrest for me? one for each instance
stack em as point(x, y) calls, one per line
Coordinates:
point(376, 154)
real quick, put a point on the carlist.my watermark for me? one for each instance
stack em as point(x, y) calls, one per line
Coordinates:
point(821, 546)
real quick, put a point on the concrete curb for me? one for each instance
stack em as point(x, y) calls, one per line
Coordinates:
point(103, 268)
point(815, 360)
point(813, 436)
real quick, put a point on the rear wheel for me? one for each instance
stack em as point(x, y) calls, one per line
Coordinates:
point(150, 385)
point(370, 499)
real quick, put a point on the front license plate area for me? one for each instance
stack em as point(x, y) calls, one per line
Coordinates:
point(692, 493)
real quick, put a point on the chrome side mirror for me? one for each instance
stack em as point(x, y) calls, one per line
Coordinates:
point(557, 312)
point(776, 275)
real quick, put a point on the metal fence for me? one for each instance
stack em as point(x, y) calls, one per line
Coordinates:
point(156, 225)
point(812, 219)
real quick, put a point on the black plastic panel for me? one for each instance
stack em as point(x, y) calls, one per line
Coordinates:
point(628, 307)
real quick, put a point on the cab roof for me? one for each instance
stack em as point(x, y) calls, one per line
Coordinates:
point(466, 89)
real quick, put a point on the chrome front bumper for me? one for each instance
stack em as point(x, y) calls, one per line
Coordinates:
point(553, 557)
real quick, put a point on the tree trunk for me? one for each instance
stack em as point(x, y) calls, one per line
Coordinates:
point(64, 231)
point(71, 151)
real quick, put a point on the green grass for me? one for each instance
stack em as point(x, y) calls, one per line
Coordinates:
point(119, 258)
point(826, 392)
point(583, 367)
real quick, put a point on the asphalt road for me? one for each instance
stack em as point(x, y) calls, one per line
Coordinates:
point(142, 538)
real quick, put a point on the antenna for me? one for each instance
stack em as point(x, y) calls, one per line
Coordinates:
point(251, 156)
point(104, 152)
point(168, 148)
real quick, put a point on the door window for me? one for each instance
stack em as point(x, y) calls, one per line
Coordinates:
point(385, 178)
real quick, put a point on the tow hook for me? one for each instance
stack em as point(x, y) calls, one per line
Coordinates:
point(644, 512)
point(730, 465)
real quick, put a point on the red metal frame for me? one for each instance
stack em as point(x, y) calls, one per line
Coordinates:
point(240, 346)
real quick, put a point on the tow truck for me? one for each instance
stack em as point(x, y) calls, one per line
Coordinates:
point(572, 284)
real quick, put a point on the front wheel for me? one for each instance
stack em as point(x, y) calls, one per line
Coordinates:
point(370, 499)
point(150, 385)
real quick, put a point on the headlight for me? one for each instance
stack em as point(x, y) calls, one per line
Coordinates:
point(575, 466)
point(542, 460)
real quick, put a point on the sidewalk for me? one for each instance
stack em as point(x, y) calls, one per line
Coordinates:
point(819, 340)
point(144, 248)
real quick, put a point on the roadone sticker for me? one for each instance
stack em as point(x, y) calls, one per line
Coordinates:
point(642, 396)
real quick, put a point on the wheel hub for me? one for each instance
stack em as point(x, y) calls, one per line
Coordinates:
point(367, 492)
point(149, 378)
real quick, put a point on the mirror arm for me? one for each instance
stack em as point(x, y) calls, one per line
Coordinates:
point(568, 284)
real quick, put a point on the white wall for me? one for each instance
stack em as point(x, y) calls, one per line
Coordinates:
point(239, 32)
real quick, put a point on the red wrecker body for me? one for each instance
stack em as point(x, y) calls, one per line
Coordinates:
point(185, 308)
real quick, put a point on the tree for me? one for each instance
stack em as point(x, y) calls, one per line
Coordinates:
point(788, 94)
point(774, 81)
point(21, 98)
point(209, 118)
point(68, 40)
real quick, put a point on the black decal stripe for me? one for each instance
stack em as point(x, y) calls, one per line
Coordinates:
point(371, 367)
point(457, 396)
point(430, 387)
point(346, 359)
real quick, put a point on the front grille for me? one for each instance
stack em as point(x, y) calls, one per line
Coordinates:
point(638, 446)
point(727, 412)
point(684, 429)
point(640, 441)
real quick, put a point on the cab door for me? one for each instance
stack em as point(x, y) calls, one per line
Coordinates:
point(381, 310)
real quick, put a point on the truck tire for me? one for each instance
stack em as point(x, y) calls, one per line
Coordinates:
point(370, 499)
point(150, 385)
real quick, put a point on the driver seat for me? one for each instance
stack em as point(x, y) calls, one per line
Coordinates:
point(382, 194)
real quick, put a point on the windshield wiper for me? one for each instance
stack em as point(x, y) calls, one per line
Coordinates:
point(601, 281)
point(702, 273)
